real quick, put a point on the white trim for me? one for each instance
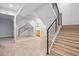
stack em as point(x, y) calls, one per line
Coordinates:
point(15, 28)
point(54, 38)
point(20, 9)
point(15, 35)
point(71, 24)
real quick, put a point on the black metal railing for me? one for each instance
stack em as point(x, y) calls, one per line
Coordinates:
point(48, 34)
point(57, 19)
point(55, 7)
point(58, 14)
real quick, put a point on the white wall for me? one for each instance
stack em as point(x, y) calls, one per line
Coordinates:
point(6, 26)
point(43, 10)
point(29, 7)
point(70, 13)
point(46, 13)
point(37, 24)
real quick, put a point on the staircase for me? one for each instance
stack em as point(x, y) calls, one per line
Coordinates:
point(25, 31)
point(67, 42)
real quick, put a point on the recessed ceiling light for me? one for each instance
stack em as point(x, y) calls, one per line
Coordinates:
point(10, 5)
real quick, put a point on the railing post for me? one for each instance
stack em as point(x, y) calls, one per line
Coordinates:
point(47, 42)
point(56, 25)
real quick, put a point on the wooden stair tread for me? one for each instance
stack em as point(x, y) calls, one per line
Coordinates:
point(60, 51)
point(67, 42)
point(68, 38)
point(67, 47)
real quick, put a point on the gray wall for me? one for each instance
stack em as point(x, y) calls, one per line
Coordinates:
point(6, 26)
point(70, 13)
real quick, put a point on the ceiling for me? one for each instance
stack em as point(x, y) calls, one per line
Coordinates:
point(11, 6)
point(15, 7)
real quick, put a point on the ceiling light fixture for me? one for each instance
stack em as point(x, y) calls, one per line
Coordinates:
point(10, 5)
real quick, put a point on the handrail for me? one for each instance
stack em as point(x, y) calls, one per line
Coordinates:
point(24, 30)
point(58, 12)
point(48, 34)
point(57, 8)
point(50, 27)
point(20, 29)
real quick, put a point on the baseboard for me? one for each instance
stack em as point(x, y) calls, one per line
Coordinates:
point(69, 24)
point(7, 37)
point(56, 34)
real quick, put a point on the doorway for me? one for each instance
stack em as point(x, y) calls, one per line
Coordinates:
point(6, 26)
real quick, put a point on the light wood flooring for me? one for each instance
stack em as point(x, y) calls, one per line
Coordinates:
point(67, 42)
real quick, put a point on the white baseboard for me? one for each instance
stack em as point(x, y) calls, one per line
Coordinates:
point(54, 38)
point(70, 24)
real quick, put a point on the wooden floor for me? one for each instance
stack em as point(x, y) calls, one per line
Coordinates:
point(67, 42)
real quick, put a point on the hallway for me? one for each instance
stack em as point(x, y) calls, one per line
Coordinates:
point(30, 29)
point(67, 42)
